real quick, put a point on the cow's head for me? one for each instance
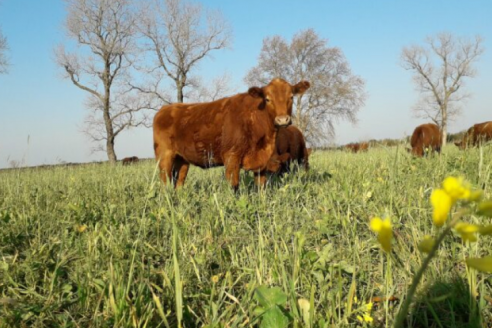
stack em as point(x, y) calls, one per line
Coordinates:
point(276, 161)
point(278, 97)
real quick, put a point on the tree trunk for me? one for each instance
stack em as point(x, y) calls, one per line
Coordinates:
point(444, 125)
point(179, 87)
point(109, 124)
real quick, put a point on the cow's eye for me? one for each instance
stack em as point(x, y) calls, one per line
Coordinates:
point(291, 97)
point(267, 99)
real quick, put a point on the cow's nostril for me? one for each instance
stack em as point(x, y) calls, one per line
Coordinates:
point(282, 120)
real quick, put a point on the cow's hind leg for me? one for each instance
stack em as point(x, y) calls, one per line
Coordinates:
point(180, 171)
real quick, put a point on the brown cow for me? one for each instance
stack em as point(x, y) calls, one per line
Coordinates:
point(476, 135)
point(237, 132)
point(425, 136)
point(291, 141)
point(357, 147)
point(129, 160)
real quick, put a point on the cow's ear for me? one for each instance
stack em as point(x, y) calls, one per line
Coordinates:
point(300, 87)
point(256, 92)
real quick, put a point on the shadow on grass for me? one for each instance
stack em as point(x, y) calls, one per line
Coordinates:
point(446, 304)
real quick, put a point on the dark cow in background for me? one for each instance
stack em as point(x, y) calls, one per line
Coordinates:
point(130, 160)
point(426, 136)
point(357, 147)
point(290, 141)
point(237, 132)
point(476, 135)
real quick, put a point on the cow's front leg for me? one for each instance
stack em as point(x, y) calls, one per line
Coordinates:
point(232, 168)
point(260, 178)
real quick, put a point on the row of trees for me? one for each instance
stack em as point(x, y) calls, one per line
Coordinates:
point(127, 51)
point(131, 56)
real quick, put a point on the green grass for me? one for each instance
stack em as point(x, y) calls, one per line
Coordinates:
point(154, 257)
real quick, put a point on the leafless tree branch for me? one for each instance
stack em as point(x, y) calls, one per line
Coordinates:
point(439, 72)
point(335, 93)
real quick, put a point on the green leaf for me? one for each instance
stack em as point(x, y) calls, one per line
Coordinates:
point(269, 297)
point(485, 208)
point(274, 318)
point(483, 264)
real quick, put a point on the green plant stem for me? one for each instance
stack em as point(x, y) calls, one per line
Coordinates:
point(402, 314)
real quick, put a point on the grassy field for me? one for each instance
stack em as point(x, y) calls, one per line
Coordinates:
point(102, 246)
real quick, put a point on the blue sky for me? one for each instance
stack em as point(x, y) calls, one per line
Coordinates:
point(41, 114)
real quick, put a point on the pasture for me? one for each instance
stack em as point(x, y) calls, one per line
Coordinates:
point(103, 246)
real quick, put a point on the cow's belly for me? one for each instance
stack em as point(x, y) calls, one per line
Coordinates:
point(200, 153)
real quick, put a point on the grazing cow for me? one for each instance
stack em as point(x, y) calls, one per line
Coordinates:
point(425, 136)
point(357, 147)
point(476, 135)
point(237, 132)
point(291, 141)
point(130, 160)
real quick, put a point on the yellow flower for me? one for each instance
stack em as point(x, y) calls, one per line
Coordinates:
point(81, 228)
point(426, 245)
point(368, 307)
point(467, 231)
point(215, 279)
point(485, 208)
point(456, 188)
point(483, 264)
point(384, 231)
point(442, 203)
point(485, 230)
point(475, 196)
point(365, 318)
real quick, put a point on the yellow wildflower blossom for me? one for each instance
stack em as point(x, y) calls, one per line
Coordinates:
point(215, 279)
point(456, 188)
point(467, 231)
point(483, 264)
point(442, 203)
point(485, 230)
point(365, 318)
point(81, 228)
point(426, 245)
point(384, 231)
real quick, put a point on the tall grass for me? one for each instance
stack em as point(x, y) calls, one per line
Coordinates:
point(102, 246)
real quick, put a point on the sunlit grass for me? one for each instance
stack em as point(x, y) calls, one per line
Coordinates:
point(151, 256)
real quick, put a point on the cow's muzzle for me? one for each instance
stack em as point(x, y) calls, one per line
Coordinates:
point(283, 120)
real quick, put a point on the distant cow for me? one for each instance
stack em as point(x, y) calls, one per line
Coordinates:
point(357, 147)
point(426, 136)
point(291, 141)
point(130, 160)
point(237, 132)
point(477, 134)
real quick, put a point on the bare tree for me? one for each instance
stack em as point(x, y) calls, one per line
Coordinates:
point(179, 34)
point(335, 92)
point(105, 34)
point(4, 64)
point(205, 91)
point(440, 69)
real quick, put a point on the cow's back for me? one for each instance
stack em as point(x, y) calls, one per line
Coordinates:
point(482, 132)
point(193, 131)
point(426, 136)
